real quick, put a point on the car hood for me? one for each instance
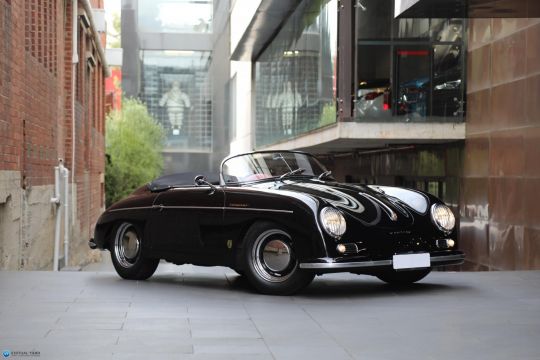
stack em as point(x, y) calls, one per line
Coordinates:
point(368, 204)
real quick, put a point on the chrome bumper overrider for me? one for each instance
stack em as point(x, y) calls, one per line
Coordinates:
point(92, 244)
point(454, 259)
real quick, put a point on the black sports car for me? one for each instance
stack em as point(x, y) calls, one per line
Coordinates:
point(279, 218)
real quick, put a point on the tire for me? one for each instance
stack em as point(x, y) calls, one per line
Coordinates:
point(403, 277)
point(126, 253)
point(269, 262)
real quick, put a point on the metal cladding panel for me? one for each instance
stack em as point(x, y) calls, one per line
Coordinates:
point(467, 8)
point(265, 24)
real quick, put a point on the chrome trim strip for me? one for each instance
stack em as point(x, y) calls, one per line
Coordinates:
point(345, 265)
point(133, 208)
point(436, 259)
point(363, 264)
point(204, 207)
point(190, 207)
point(257, 209)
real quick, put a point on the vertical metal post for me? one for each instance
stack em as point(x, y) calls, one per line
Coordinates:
point(56, 200)
point(66, 216)
point(346, 56)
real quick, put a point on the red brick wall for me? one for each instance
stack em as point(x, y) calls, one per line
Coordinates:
point(31, 101)
point(36, 105)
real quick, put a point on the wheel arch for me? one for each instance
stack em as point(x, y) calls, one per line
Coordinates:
point(300, 241)
point(107, 225)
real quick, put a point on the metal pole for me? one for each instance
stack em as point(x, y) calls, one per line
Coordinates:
point(66, 216)
point(56, 200)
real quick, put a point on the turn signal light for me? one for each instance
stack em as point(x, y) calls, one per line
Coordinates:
point(445, 243)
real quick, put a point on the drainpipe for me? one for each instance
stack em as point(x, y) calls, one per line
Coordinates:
point(74, 61)
point(65, 172)
point(56, 200)
point(61, 174)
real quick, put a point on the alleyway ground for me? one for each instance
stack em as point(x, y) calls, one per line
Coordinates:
point(187, 312)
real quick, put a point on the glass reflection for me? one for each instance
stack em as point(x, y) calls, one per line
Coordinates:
point(175, 16)
point(374, 19)
point(295, 77)
point(176, 88)
point(408, 69)
point(373, 95)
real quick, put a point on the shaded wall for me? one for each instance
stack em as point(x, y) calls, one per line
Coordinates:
point(432, 168)
point(500, 204)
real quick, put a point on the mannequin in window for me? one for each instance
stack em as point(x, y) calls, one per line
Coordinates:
point(290, 101)
point(176, 102)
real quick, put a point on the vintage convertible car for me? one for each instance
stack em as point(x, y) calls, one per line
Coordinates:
point(279, 219)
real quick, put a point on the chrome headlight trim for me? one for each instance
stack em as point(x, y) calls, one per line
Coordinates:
point(443, 217)
point(333, 222)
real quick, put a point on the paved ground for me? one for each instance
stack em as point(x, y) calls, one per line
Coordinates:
point(209, 313)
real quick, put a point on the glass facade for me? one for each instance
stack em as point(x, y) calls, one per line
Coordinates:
point(175, 16)
point(408, 69)
point(176, 86)
point(295, 77)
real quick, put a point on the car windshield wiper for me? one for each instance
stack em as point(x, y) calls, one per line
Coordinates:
point(290, 173)
point(327, 173)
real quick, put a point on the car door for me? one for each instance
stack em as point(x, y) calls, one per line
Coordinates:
point(185, 219)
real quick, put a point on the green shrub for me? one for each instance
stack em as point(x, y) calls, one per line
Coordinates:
point(134, 144)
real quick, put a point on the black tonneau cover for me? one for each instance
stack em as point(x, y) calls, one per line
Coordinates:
point(182, 179)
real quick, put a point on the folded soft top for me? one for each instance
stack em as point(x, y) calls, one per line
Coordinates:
point(181, 179)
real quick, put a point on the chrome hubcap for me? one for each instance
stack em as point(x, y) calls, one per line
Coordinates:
point(127, 245)
point(276, 255)
point(272, 256)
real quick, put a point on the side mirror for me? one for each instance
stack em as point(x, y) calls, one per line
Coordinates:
point(200, 180)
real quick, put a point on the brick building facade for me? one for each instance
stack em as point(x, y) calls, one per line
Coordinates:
point(51, 107)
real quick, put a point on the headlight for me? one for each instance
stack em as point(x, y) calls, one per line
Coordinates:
point(333, 222)
point(443, 217)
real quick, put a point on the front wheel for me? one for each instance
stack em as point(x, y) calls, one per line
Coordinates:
point(127, 255)
point(270, 264)
point(403, 277)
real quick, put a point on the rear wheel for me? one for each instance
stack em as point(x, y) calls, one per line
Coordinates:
point(403, 277)
point(127, 255)
point(270, 264)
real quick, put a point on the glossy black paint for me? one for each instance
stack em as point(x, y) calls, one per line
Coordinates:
point(206, 225)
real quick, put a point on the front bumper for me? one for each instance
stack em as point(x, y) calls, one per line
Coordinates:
point(325, 265)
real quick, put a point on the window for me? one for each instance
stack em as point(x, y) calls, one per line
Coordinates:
point(40, 32)
point(176, 86)
point(407, 69)
point(295, 77)
point(175, 16)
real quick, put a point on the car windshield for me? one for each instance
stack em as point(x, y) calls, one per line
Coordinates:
point(266, 165)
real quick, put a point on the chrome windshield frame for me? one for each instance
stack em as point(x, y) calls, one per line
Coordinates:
point(274, 178)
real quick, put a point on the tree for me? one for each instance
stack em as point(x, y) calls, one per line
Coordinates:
point(134, 144)
point(113, 32)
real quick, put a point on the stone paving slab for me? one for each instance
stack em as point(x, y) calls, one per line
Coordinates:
point(188, 312)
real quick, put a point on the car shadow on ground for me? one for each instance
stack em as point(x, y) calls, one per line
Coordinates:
point(333, 288)
point(320, 288)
